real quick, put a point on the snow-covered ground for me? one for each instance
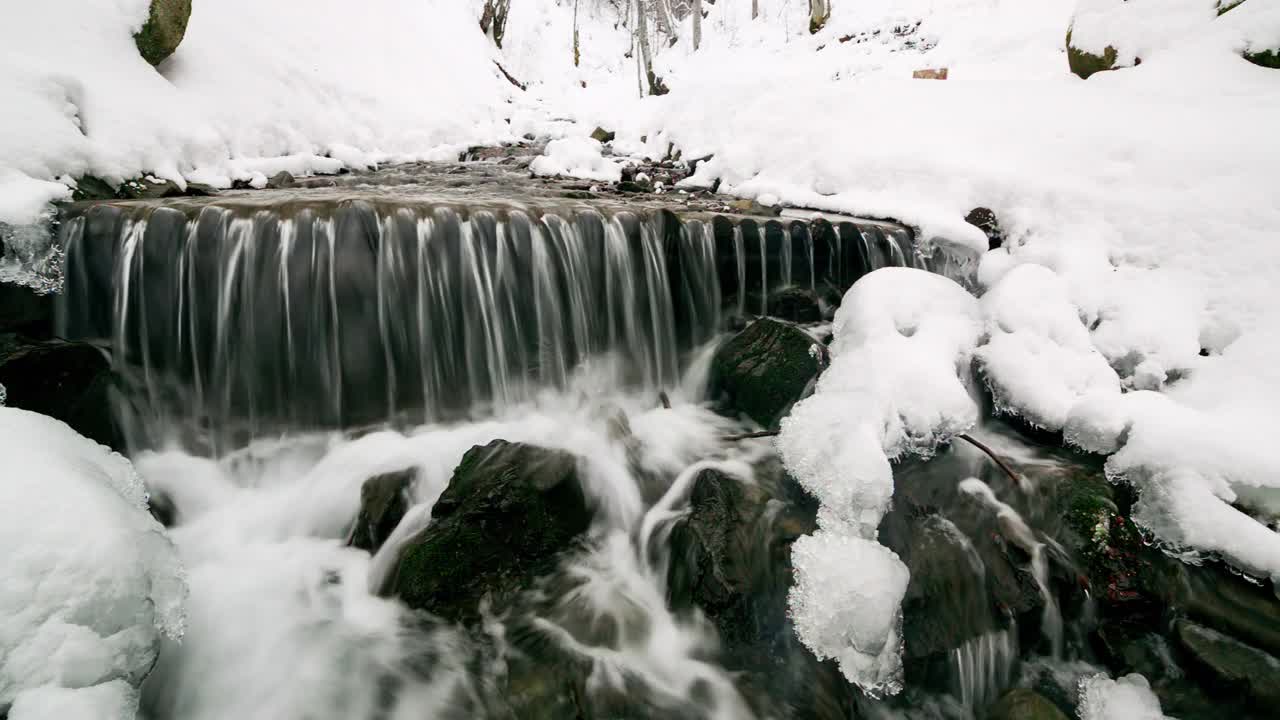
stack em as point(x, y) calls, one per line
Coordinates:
point(256, 86)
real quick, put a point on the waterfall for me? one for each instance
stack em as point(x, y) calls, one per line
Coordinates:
point(321, 313)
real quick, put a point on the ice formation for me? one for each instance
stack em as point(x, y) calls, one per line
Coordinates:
point(1127, 698)
point(897, 385)
point(92, 582)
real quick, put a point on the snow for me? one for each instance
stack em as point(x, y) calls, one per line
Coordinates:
point(578, 157)
point(92, 581)
point(897, 385)
point(311, 87)
point(1039, 359)
point(1127, 698)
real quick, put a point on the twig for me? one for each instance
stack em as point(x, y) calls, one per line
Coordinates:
point(991, 454)
point(510, 79)
point(751, 435)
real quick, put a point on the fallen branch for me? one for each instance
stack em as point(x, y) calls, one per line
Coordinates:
point(510, 79)
point(991, 454)
point(751, 435)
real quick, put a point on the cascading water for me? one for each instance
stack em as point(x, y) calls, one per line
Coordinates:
point(273, 357)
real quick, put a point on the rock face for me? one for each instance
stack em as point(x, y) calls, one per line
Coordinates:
point(795, 304)
point(508, 512)
point(1023, 704)
point(67, 381)
point(1229, 666)
point(164, 29)
point(22, 310)
point(763, 370)
point(731, 559)
point(384, 500)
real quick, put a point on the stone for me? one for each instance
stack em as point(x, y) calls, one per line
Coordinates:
point(1230, 666)
point(1024, 704)
point(1220, 599)
point(384, 500)
point(91, 187)
point(944, 607)
point(64, 380)
point(144, 189)
point(763, 370)
point(985, 220)
point(1265, 58)
point(510, 510)
point(795, 304)
point(1084, 63)
point(281, 180)
point(602, 136)
point(23, 310)
point(164, 29)
point(930, 74)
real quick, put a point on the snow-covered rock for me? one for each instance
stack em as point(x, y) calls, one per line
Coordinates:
point(897, 385)
point(578, 157)
point(1128, 698)
point(91, 580)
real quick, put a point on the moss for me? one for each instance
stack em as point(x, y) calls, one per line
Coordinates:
point(1225, 5)
point(164, 29)
point(1266, 58)
point(1085, 64)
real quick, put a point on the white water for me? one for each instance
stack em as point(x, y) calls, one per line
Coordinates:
point(282, 620)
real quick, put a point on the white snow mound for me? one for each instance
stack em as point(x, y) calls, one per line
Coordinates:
point(91, 580)
point(577, 157)
point(1128, 698)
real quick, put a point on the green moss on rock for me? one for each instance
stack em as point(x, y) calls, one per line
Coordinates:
point(1266, 58)
point(164, 29)
point(1084, 63)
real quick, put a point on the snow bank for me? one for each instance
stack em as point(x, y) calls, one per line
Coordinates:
point(1039, 359)
point(577, 157)
point(256, 86)
point(91, 580)
point(897, 384)
point(1128, 698)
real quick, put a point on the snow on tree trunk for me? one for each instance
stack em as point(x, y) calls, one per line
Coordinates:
point(697, 24)
point(493, 21)
point(755, 9)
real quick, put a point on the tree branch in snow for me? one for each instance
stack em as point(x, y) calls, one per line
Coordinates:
point(991, 454)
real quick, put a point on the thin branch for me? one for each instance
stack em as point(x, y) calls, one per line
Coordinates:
point(991, 454)
point(751, 435)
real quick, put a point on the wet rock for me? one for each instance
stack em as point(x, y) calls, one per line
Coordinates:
point(1222, 600)
point(384, 500)
point(164, 29)
point(795, 304)
point(90, 187)
point(509, 511)
point(985, 220)
point(147, 189)
point(22, 310)
point(281, 180)
point(602, 136)
point(731, 559)
point(763, 370)
point(64, 380)
point(1266, 58)
point(751, 207)
point(633, 186)
point(1229, 666)
point(946, 603)
point(1024, 704)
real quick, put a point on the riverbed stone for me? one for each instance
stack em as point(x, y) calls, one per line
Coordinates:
point(384, 500)
point(1024, 704)
point(64, 380)
point(23, 310)
point(763, 370)
point(164, 29)
point(795, 304)
point(1230, 666)
point(509, 512)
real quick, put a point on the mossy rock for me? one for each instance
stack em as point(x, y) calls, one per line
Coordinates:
point(763, 370)
point(1024, 704)
point(1225, 5)
point(1266, 58)
point(1085, 63)
point(164, 29)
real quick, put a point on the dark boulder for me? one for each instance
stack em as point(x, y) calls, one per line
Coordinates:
point(763, 370)
point(508, 513)
point(731, 559)
point(602, 136)
point(795, 304)
point(164, 29)
point(1218, 598)
point(1230, 667)
point(64, 380)
point(1084, 63)
point(985, 220)
point(384, 500)
point(1024, 704)
point(23, 310)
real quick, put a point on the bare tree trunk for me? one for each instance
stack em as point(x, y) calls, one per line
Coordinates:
point(819, 14)
point(755, 9)
point(666, 18)
point(577, 52)
point(494, 18)
point(697, 24)
point(644, 62)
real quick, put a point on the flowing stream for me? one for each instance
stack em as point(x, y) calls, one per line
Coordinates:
point(275, 355)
